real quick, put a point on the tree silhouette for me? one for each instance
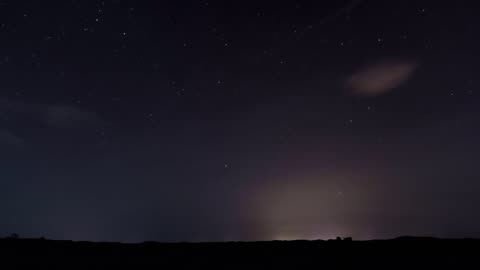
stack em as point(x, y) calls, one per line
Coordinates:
point(13, 236)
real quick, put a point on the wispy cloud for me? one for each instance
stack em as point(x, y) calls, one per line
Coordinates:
point(69, 116)
point(381, 77)
point(8, 138)
point(52, 115)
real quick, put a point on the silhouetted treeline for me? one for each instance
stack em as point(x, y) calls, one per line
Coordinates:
point(401, 253)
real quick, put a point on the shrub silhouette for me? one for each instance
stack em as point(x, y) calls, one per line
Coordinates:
point(13, 236)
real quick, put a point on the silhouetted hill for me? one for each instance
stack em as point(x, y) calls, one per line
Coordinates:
point(400, 253)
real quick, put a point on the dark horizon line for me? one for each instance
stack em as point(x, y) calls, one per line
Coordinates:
point(338, 239)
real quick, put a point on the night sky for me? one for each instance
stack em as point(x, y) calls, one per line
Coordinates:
point(234, 120)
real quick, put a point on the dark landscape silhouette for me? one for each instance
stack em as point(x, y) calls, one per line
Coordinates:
point(341, 253)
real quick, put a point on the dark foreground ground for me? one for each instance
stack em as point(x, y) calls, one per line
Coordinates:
point(401, 253)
